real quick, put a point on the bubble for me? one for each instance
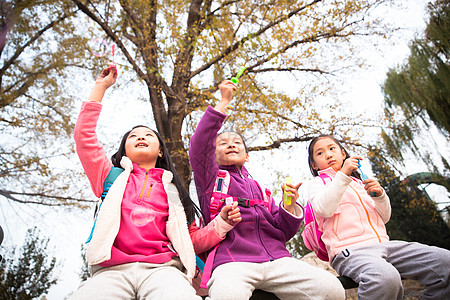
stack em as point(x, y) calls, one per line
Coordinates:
point(228, 110)
point(98, 47)
point(141, 216)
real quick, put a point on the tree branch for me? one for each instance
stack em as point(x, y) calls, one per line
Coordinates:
point(113, 36)
point(38, 34)
point(238, 44)
point(276, 144)
point(9, 195)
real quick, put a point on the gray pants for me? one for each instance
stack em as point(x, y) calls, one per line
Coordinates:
point(378, 269)
point(288, 278)
point(137, 281)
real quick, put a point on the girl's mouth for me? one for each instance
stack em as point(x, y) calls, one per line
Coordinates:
point(232, 152)
point(141, 145)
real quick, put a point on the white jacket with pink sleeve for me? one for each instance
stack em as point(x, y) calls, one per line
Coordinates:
point(346, 214)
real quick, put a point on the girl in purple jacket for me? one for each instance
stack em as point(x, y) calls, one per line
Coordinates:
point(253, 255)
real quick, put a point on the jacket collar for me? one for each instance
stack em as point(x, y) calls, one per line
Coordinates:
point(233, 169)
point(328, 171)
point(165, 175)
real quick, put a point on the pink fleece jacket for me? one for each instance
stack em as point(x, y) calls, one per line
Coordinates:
point(346, 214)
point(144, 211)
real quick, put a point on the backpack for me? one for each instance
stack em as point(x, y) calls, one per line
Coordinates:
point(218, 198)
point(219, 195)
point(113, 174)
point(312, 236)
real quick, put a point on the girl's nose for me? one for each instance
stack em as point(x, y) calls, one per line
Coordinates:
point(141, 138)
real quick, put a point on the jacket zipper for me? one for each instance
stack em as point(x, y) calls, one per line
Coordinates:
point(367, 213)
point(249, 189)
point(149, 189)
point(144, 186)
point(259, 234)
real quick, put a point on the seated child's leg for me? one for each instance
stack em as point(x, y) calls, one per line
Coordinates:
point(429, 265)
point(163, 282)
point(106, 283)
point(290, 278)
point(235, 280)
point(367, 266)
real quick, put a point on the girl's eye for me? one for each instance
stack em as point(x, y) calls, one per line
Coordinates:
point(319, 153)
point(332, 148)
point(132, 135)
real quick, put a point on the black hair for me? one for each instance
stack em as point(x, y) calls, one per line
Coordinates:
point(311, 149)
point(163, 162)
point(238, 133)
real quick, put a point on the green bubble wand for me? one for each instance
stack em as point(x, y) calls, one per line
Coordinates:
point(235, 80)
point(228, 110)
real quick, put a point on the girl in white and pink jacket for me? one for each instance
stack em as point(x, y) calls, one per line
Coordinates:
point(143, 242)
point(352, 216)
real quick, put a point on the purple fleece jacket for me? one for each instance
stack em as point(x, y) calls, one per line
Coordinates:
point(261, 236)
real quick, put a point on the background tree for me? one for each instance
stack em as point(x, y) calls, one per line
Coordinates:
point(180, 51)
point(296, 246)
point(29, 272)
point(85, 272)
point(415, 216)
point(417, 94)
point(36, 58)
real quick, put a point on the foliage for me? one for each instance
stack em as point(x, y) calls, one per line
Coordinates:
point(296, 246)
point(414, 217)
point(85, 272)
point(419, 90)
point(36, 55)
point(179, 51)
point(30, 274)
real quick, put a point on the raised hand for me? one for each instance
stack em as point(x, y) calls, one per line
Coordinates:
point(106, 79)
point(226, 87)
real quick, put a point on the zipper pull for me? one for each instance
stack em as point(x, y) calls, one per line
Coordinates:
point(149, 189)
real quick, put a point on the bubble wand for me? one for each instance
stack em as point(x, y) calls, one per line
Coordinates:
point(235, 80)
point(113, 64)
point(363, 176)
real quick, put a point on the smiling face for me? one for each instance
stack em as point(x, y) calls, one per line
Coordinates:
point(230, 150)
point(142, 147)
point(327, 153)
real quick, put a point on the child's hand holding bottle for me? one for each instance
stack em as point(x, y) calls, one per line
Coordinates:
point(373, 187)
point(292, 193)
point(350, 165)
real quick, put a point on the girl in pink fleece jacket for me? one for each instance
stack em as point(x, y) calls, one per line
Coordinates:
point(141, 245)
point(352, 214)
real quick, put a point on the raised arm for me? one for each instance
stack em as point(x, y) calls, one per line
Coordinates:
point(92, 155)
